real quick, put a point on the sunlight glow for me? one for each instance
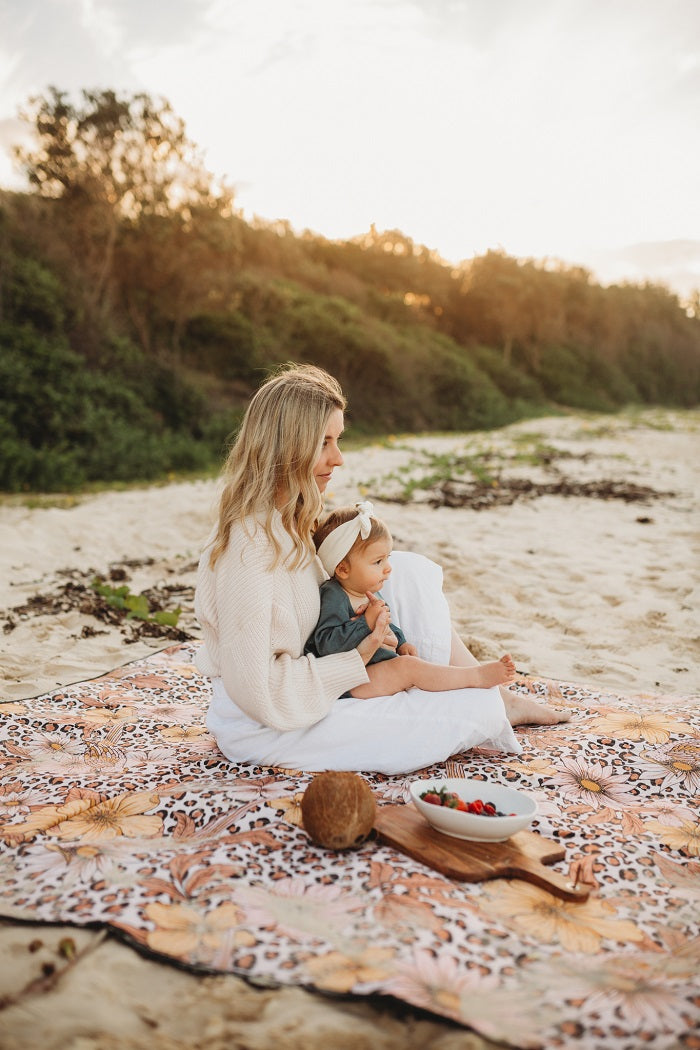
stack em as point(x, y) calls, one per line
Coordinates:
point(546, 130)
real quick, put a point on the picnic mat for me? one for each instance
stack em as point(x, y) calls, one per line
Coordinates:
point(117, 809)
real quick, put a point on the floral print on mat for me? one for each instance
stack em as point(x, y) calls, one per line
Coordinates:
point(116, 807)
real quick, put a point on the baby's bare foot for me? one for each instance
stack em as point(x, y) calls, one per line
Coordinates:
point(509, 665)
point(497, 672)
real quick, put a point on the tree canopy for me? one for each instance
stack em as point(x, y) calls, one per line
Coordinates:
point(138, 312)
point(129, 153)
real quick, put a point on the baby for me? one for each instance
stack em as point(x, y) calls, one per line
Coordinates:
point(354, 548)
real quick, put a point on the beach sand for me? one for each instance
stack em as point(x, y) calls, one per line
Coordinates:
point(598, 591)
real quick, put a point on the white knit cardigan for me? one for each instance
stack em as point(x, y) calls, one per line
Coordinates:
point(255, 622)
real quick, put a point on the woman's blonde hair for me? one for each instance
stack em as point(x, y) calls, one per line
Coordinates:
point(270, 465)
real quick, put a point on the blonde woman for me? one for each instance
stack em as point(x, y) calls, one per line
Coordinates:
point(257, 601)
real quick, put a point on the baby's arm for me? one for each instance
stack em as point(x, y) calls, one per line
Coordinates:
point(338, 630)
point(341, 636)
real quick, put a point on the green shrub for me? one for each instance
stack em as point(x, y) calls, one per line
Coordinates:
point(508, 377)
point(32, 294)
point(565, 378)
point(62, 425)
point(223, 343)
point(404, 378)
point(466, 397)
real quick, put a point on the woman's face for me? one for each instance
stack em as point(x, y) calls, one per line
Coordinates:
point(330, 453)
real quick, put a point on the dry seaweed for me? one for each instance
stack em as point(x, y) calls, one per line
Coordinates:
point(78, 592)
point(480, 495)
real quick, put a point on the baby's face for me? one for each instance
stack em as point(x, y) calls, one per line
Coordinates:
point(369, 567)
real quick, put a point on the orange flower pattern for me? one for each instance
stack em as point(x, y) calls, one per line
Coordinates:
point(107, 819)
point(577, 927)
point(117, 808)
point(339, 972)
point(655, 728)
point(183, 931)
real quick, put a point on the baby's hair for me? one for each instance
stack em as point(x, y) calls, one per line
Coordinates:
point(378, 530)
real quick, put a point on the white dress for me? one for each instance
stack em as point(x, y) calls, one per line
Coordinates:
point(390, 734)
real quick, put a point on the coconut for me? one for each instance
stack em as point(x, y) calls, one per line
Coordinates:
point(338, 810)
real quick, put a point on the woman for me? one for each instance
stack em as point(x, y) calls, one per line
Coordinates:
point(257, 601)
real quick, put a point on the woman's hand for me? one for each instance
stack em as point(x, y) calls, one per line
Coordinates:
point(390, 639)
point(369, 645)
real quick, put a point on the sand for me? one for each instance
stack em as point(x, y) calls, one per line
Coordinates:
point(601, 592)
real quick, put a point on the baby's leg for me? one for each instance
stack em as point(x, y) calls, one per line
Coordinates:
point(385, 679)
point(407, 672)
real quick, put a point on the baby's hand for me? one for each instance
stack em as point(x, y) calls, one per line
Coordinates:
point(406, 649)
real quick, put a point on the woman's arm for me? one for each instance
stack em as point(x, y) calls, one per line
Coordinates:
point(260, 663)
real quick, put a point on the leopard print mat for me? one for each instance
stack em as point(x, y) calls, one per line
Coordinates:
point(116, 808)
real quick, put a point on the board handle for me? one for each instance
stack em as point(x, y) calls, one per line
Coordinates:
point(558, 885)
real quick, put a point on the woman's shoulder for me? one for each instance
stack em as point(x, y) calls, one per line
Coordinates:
point(252, 535)
point(244, 537)
point(256, 537)
point(250, 529)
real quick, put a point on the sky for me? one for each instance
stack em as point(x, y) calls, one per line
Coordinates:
point(549, 129)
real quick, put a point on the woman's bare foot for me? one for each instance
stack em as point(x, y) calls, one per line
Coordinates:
point(523, 710)
point(495, 673)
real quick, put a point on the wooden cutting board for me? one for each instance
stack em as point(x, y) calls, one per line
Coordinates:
point(522, 856)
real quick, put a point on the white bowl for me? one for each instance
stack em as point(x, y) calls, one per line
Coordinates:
point(473, 826)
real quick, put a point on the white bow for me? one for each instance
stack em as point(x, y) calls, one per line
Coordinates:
point(365, 510)
point(337, 543)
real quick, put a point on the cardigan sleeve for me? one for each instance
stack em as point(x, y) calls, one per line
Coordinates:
point(257, 638)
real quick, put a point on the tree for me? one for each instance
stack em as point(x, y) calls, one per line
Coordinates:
point(130, 152)
point(488, 303)
point(111, 161)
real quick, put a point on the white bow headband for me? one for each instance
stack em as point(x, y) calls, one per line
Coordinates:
point(337, 543)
